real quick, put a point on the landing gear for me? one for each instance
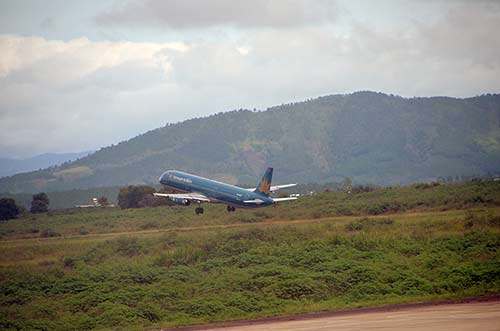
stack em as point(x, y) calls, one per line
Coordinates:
point(230, 208)
point(199, 210)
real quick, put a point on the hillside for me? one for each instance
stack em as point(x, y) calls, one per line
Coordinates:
point(9, 167)
point(370, 137)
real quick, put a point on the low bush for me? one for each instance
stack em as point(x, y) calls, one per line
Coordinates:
point(83, 231)
point(364, 223)
point(128, 246)
point(47, 233)
point(249, 219)
point(149, 225)
point(69, 262)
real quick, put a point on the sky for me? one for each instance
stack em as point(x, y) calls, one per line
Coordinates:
point(81, 75)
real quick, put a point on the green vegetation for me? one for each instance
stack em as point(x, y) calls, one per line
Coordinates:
point(40, 203)
point(111, 269)
point(370, 137)
point(103, 201)
point(8, 209)
point(134, 196)
point(416, 198)
point(141, 196)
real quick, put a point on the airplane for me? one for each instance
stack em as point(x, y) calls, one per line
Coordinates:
point(95, 204)
point(199, 189)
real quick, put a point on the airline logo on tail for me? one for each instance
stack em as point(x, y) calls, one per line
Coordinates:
point(264, 186)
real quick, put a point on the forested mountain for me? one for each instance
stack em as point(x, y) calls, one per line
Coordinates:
point(370, 137)
point(10, 167)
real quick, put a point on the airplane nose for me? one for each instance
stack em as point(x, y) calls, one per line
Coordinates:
point(163, 177)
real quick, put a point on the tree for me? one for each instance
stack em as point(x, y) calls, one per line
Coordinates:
point(130, 196)
point(40, 203)
point(103, 201)
point(150, 200)
point(8, 209)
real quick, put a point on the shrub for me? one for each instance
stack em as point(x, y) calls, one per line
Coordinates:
point(180, 256)
point(128, 246)
point(249, 219)
point(410, 248)
point(183, 273)
point(135, 196)
point(83, 231)
point(344, 211)
point(149, 225)
point(494, 220)
point(246, 301)
point(8, 209)
point(40, 203)
point(69, 262)
point(78, 321)
point(113, 314)
point(362, 189)
point(377, 210)
point(385, 221)
point(262, 214)
point(103, 201)
point(140, 275)
point(472, 219)
point(475, 199)
point(203, 307)
point(47, 233)
point(149, 312)
point(299, 289)
point(364, 223)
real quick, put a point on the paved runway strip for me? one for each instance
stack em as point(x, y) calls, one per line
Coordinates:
point(477, 316)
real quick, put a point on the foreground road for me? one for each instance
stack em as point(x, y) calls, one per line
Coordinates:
point(482, 316)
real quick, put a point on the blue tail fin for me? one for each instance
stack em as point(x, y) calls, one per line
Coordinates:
point(264, 186)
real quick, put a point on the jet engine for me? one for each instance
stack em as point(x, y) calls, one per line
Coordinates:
point(180, 201)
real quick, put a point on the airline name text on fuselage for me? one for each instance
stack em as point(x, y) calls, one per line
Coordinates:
point(180, 179)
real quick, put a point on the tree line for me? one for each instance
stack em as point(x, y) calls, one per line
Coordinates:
point(132, 196)
point(141, 196)
point(9, 209)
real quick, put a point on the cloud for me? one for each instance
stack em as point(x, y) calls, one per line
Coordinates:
point(455, 57)
point(466, 33)
point(81, 94)
point(189, 14)
point(61, 96)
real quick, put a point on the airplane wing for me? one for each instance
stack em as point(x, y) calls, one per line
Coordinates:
point(284, 199)
point(184, 196)
point(255, 201)
point(274, 188)
point(279, 187)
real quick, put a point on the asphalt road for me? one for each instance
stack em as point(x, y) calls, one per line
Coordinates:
point(477, 316)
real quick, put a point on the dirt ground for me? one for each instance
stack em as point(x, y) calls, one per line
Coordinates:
point(473, 316)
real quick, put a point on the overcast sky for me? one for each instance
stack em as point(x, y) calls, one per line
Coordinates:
point(80, 75)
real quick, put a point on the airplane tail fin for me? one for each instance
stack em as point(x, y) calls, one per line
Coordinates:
point(264, 186)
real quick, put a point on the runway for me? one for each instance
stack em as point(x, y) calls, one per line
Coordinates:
point(484, 316)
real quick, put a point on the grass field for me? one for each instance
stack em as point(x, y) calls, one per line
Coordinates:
point(165, 266)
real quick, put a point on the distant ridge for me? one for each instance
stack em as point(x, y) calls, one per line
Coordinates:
point(9, 167)
point(370, 137)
